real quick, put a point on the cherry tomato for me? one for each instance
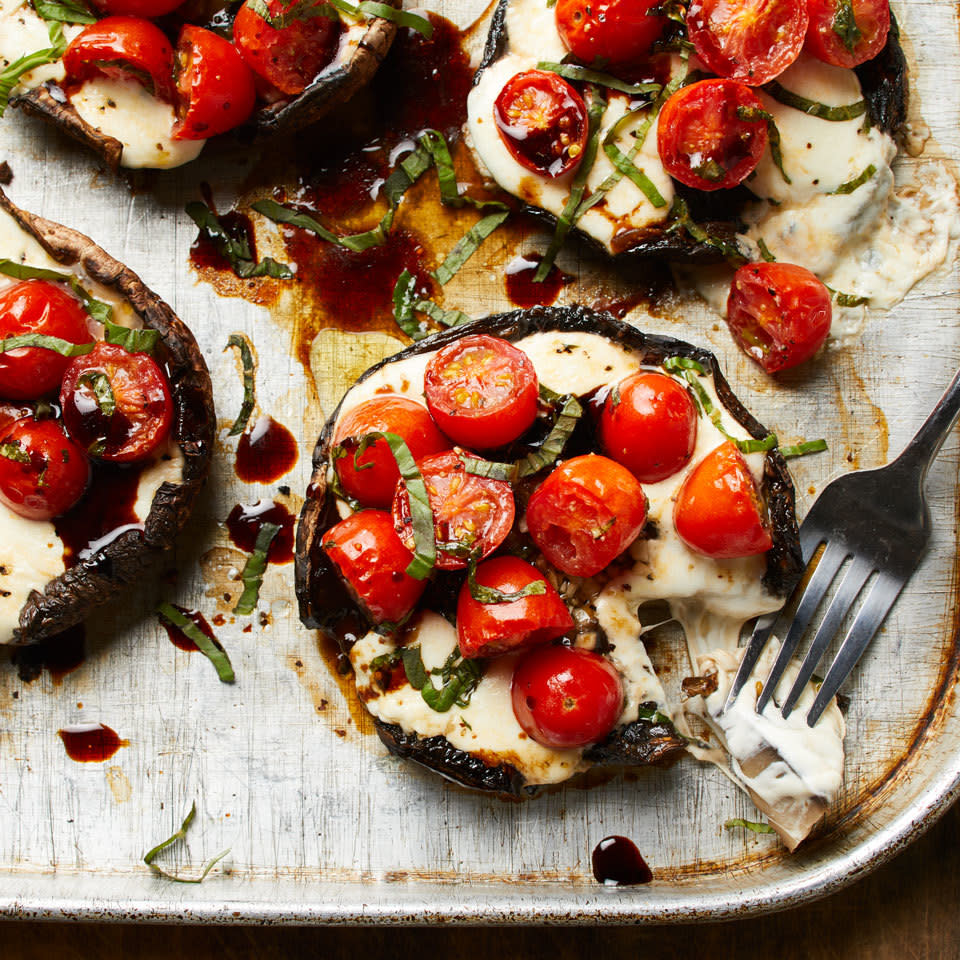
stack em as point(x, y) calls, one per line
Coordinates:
point(618, 31)
point(586, 513)
point(291, 56)
point(487, 629)
point(649, 424)
point(718, 511)
point(36, 306)
point(566, 697)
point(847, 33)
point(748, 40)
point(469, 512)
point(778, 313)
point(137, 8)
point(214, 85)
point(372, 562)
point(374, 485)
point(482, 391)
point(123, 47)
point(543, 122)
point(43, 473)
point(116, 404)
point(711, 135)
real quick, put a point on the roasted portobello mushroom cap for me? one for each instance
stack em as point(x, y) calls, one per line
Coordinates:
point(326, 604)
point(91, 582)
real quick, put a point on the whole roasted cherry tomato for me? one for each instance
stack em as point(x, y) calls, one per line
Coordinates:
point(372, 477)
point(373, 562)
point(486, 629)
point(778, 313)
point(586, 513)
point(649, 424)
point(752, 41)
point(471, 514)
point(214, 85)
point(37, 306)
point(123, 47)
point(116, 404)
point(616, 31)
point(718, 511)
point(482, 391)
point(43, 473)
point(543, 122)
point(712, 134)
point(565, 697)
point(137, 8)
point(292, 53)
point(847, 33)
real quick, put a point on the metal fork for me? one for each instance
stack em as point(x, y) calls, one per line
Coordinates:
point(879, 520)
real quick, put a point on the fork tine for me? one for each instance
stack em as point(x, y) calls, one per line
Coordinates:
point(816, 589)
point(885, 590)
point(758, 640)
point(852, 584)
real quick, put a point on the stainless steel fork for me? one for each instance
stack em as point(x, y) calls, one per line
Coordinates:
point(879, 520)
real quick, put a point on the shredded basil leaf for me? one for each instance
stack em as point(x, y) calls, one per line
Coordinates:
point(236, 250)
point(133, 341)
point(751, 825)
point(64, 11)
point(99, 383)
point(855, 184)
point(181, 834)
point(468, 245)
point(11, 74)
point(484, 594)
point(680, 215)
point(788, 98)
point(212, 651)
point(624, 164)
point(299, 11)
point(459, 678)
point(254, 569)
point(370, 8)
point(239, 341)
point(649, 711)
point(357, 242)
point(845, 25)
point(803, 449)
point(850, 299)
point(765, 251)
point(752, 115)
point(63, 347)
point(100, 311)
point(573, 71)
point(406, 303)
point(13, 451)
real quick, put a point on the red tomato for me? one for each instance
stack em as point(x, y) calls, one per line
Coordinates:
point(214, 85)
point(372, 562)
point(748, 40)
point(618, 31)
point(43, 473)
point(586, 513)
point(11, 412)
point(718, 511)
point(123, 47)
point(36, 306)
point(374, 485)
point(649, 424)
point(565, 697)
point(482, 391)
point(469, 512)
point(543, 122)
point(116, 404)
point(289, 57)
point(137, 8)
point(487, 629)
point(778, 313)
point(706, 137)
point(847, 33)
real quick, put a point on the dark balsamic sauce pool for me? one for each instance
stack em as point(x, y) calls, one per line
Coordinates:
point(266, 451)
point(91, 742)
point(244, 522)
point(617, 861)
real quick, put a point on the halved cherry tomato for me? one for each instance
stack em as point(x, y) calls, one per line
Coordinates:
point(543, 122)
point(471, 514)
point(116, 404)
point(649, 424)
point(718, 511)
point(488, 629)
point(748, 40)
point(373, 562)
point(43, 473)
point(712, 134)
point(847, 33)
point(565, 697)
point(123, 47)
point(372, 479)
point(482, 391)
point(616, 31)
point(779, 314)
point(37, 306)
point(289, 57)
point(214, 85)
point(137, 8)
point(586, 513)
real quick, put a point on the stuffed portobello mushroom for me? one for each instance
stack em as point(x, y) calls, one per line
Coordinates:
point(106, 426)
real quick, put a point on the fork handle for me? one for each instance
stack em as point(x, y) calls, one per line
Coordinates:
point(920, 451)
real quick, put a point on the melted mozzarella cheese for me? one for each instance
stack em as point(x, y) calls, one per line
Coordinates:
point(31, 554)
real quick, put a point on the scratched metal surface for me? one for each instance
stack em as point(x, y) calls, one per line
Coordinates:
point(322, 825)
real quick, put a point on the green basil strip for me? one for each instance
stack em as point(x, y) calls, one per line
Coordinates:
point(239, 341)
point(649, 711)
point(623, 163)
point(215, 654)
point(847, 188)
point(765, 251)
point(404, 299)
point(484, 594)
point(803, 449)
point(459, 679)
point(63, 347)
point(370, 8)
point(30, 61)
point(143, 340)
point(845, 25)
point(436, 144)
point(788, 98)
point(680, 215)
point(677, 364)
point(254, 569)
point(849, 299)
point(100, 311)
point(750, 825)
point(572, 71)
point(753, 115)
point(446, 318)
point(357, 242)
point(468, 245)
point(300, 11)
point(99, 383)
point(64, 11)
point(13, 451)
point(181, 834)
point(506, 472)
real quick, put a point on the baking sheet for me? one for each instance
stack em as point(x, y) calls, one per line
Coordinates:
point(324, 826)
